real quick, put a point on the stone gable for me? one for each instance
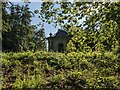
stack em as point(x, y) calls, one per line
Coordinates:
point(59, 41)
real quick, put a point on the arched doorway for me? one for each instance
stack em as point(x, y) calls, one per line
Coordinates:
point(60, 47)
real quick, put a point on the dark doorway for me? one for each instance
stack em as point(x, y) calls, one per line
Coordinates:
point(60, 47)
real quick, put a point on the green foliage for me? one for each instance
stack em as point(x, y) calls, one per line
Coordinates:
point(39, 39)
point(94, 26)
point(50, 70)
point(91, 61)
point(17, 33)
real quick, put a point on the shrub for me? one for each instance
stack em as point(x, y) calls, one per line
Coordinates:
point(75, 70)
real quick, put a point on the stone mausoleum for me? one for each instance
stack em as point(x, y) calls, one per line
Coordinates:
point(59, 41)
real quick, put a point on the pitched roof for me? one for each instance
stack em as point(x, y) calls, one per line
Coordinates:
point(61, 33)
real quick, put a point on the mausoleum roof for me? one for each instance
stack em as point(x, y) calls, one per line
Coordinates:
point(61, 33)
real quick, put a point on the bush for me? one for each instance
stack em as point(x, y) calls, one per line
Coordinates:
point(45, 70)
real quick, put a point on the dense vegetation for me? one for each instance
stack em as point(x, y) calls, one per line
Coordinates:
point(18, 34)
point(70, 71)
point(92, 56)
point(94, 26)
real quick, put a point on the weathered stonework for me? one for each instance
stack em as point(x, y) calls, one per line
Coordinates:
point(59, 41)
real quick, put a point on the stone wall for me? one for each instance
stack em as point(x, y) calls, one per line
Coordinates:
point(56, 41)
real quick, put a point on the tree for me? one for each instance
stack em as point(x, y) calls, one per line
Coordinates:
point(101, 24)
point(6, 45)
point(18, 33)
point(39, 39)
point(26, 30)
point(17, 29)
